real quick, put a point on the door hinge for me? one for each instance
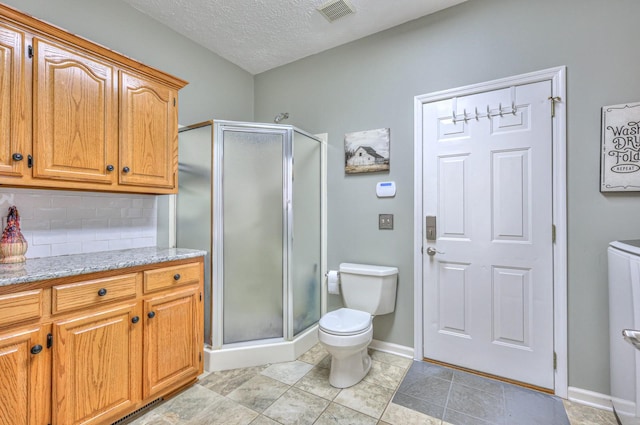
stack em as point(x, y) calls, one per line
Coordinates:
point(29, 161)
point(553, 100)
point(200, 357)
point(30, 51)
point(555, 361)
point(49, 340)
point(553, 233)
point(201, 296)
point(174, 101)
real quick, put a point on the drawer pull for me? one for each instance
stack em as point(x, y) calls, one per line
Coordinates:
point(102, 292)
point(151, 315)
point(17, 157)
point(36, 349)
point(135, 319)
point(176, 276)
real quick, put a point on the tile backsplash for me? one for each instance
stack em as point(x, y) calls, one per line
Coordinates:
point(65, 222)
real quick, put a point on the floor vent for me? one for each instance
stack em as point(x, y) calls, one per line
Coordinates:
point(135, 413)
point(336, 9)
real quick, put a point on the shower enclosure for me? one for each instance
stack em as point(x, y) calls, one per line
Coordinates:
point(251, 195)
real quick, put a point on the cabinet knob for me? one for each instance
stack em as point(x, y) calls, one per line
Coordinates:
point(151, 315)
point(176, 276)
point(102, 292)
point(135, 319)
point(110, 167)
point(36, 349)
point(17, 157)
point(126, 169)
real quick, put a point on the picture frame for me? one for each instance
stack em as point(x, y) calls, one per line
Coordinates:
point(367, 151)
point(620, 153)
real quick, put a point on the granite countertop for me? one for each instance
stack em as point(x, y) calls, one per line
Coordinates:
point(72, 265)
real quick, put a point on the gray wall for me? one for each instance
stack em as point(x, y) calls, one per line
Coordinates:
point(217, 88)
point(371, 83)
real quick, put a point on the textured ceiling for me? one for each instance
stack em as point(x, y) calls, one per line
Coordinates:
point(259, 35)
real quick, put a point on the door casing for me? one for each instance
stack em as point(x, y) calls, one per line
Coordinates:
point(557, 76)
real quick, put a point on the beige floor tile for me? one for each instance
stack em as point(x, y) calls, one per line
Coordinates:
point(315, 355)
point(337, 414)
point(400, 415)
point(259, 392)
point(366, 398)
point(224, 412)
point(579, 414)
point(385, 374)
point(317, 382)
point(186, 405)
point(288, 372)
point(263, 420)
point(225, 381)
point(296, 407)
point(392, 359)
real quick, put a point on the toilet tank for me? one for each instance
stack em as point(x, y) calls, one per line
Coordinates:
point(369, 288)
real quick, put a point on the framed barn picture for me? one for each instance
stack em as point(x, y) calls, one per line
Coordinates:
point(367, 151)
point(620, 163)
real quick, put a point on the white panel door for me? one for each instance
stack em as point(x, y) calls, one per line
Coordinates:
point(488, 288)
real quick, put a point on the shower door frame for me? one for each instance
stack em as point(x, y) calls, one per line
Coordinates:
point(217, 256)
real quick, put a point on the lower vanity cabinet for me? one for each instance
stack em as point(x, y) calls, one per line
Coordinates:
point(93, 349)
point(97, 365)
point(25, 390)
point(172, 336)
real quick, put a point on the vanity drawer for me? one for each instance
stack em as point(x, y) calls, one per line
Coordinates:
point(93, 292)
point(169, 277)
point(19, 307)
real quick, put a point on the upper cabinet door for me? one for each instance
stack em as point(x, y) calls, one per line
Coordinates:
point(148, 133)
point(75, 115)
point(14, 103)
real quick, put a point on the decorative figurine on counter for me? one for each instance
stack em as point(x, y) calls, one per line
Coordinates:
point(12, 244)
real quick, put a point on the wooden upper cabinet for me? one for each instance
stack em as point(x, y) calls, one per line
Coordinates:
point(148, 132)
point(14, 103)
point(75, 115)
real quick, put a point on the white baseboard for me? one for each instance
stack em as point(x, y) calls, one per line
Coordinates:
point(388, 347)
point(589, 398)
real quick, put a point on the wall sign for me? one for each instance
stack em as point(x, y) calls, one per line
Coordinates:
point(620, 165)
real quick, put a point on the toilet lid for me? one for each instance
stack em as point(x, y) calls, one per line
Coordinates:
point(345, 321)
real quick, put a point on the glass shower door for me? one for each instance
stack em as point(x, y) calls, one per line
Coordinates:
point(306, 240)
point(253, 240)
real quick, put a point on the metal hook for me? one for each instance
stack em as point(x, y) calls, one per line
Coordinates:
point(500, 109)
point(477, 116)
point(453, 113)
point(488, 112)
point(464, 111)
point(513, 108)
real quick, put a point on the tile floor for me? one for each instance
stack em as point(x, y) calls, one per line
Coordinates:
point(397, 391)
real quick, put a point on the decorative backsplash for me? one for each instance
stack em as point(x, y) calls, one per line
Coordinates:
point(63, 222)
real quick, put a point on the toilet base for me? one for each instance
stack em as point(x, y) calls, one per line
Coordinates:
point(348, 371)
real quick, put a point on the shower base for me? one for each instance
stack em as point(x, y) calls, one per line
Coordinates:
point(259, 353)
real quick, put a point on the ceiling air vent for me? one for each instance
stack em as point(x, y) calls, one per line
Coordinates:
point(336, 9)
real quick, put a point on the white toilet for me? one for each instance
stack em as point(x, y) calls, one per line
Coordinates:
point(347, 332)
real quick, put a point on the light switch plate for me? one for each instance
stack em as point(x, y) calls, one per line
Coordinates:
point(385, 221)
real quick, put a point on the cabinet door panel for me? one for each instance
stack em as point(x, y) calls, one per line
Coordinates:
point(172, 340)
point(97, 365)
point(75, 115)
point(148, 133)
point(24, 386)
point(14, 102)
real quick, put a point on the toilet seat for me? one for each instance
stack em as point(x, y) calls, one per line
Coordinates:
point(345, 321)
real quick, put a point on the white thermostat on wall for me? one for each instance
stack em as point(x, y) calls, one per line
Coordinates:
point(386, 189)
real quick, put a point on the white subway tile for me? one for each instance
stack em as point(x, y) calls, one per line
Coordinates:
point(66, 248)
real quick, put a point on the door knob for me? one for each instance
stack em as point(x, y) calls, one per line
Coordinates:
point(431, 251)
